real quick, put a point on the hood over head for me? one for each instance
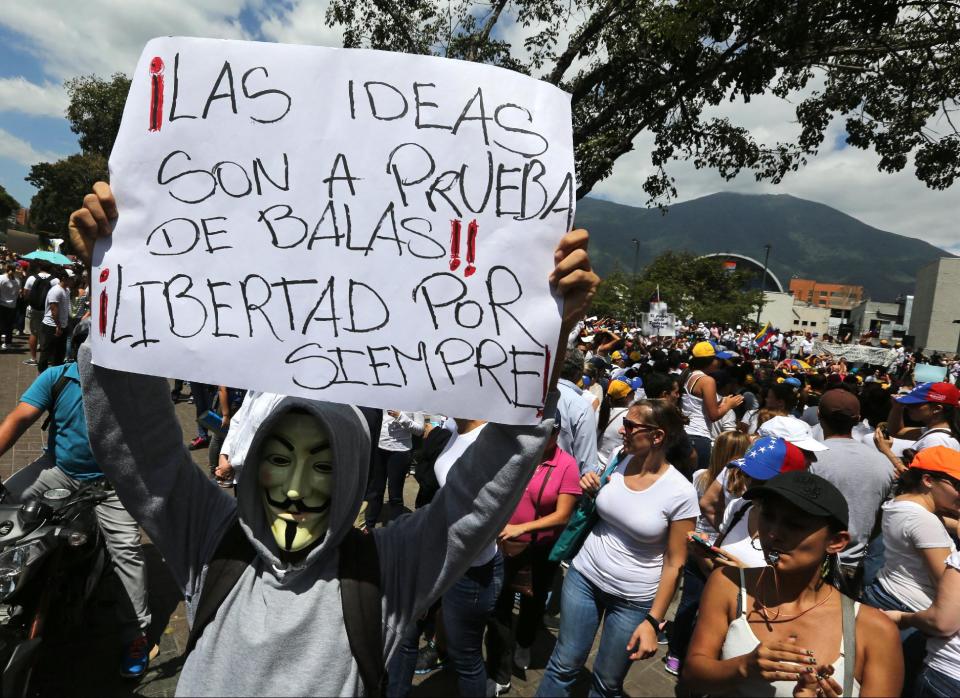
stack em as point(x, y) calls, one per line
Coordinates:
point(350, 442)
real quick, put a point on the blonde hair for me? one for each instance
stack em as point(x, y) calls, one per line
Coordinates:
point(729, 446)
point(765, 414)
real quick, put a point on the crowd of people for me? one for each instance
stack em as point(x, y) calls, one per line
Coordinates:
point(785, 523)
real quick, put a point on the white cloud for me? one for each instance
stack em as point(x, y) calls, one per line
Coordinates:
point(20, 95)
point(70, 38)
point(846, 179)
point(304, 23)
point(21, 151)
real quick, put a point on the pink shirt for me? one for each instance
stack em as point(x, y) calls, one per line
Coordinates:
point(564, 479)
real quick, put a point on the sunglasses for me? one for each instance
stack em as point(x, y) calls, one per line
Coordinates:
point(953, 482)
point(630, 426)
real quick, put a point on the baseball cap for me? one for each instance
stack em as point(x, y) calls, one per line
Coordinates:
point(769, 456)
point(704, 349)
point(635, 355)
point(808, 492)
point(840, 402)
point(616, 356)
point(636, 383)
point(618, 389)
point(793, 430)
point(943, 393)
point(941, 459)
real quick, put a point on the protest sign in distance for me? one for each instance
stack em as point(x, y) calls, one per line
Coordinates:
point(346, 225)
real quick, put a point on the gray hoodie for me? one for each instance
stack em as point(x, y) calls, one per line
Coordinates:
point(280, 630)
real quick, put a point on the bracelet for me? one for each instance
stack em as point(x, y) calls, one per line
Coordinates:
point(653, 621)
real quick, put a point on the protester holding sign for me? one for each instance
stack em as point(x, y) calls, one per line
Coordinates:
point(293, 511)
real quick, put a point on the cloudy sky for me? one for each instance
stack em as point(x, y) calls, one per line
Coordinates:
point(43, 43)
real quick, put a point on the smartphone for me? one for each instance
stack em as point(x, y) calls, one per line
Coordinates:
point(708, 549)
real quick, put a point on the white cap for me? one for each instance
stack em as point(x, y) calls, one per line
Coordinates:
point(794, 430)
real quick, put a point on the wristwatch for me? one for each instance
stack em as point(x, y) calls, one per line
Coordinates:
point(653, 621)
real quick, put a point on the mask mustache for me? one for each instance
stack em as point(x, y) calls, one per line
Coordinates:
point(299, 505)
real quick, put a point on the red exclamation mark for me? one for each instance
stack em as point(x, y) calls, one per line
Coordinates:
point(102, 319)
point(471, 247)
point(454, 244)
point(156, 93)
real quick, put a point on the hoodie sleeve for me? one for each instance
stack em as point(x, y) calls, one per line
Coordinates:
point(135, 437)
point(423, 554)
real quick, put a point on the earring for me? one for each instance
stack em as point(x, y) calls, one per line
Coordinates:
point(755, 544)
point(825, 568)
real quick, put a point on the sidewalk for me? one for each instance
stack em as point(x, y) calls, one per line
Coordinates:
point(87, 665)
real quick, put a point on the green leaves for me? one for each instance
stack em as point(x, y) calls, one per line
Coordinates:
point(890, 67)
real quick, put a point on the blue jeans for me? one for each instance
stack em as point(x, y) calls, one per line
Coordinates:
point(686, 618)
point(932, 684)
point(703, 446)
point(873, 560)
point(914, 642)
point(403, 664)
point(582, 606)
point(467, 606)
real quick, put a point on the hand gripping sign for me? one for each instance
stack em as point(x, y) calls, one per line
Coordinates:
point(346, 225)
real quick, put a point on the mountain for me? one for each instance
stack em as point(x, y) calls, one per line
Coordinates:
point(808, 240)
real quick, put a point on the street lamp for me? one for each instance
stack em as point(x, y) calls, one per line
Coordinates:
point(636, 260)
point(763, 281)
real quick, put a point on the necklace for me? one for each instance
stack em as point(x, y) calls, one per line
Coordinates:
point(778, 617)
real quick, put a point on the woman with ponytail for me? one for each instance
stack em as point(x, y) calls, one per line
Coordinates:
point(787, 629)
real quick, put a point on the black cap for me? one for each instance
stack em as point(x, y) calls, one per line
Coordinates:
point(808, 492)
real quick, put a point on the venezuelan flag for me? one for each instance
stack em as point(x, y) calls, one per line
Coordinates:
point(764, 335)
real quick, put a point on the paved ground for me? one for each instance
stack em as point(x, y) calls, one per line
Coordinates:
point(86, 665)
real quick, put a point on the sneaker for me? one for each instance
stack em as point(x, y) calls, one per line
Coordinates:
point(30, 362)
point(199, 442)
point(495, 689)
point(429, 660)
point(521, 657)
point(672, 665)
point(662, 638)
point(133, 663)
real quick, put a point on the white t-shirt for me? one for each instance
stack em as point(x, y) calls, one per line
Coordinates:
point(738, 541)
point(937, 438)
point(9, 291)
point(59, 295)
point(623, 555)
point(907, 529)
point(943, 653)
point(610, 440)
point(450, 454)
point(396, 433)
point(703, 527)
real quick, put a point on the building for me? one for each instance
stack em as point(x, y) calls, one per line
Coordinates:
point(888, 321)
point(834, 296)
point(933, 322)
point(784, 312)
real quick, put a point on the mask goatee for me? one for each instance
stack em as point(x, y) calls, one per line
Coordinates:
point(290, 534)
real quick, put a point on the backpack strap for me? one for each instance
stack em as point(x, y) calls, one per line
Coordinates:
point(360, 596)
point(734, 520)
point(233, 555)
point(849, 618)
point(54, 394)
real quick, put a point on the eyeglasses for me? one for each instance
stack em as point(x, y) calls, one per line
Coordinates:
point(630, 426)
point(953, 482)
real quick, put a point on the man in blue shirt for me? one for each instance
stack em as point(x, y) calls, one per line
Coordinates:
point(578, 433)
point(68, 464)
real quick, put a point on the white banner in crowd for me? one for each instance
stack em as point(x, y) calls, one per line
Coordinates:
point(658, 322)
point(346, 225)
point(855, 353)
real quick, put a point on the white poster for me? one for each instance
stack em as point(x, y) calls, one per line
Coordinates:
point(658, 322)
point(347, 225)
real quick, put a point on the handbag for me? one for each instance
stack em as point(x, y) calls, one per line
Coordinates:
point(211, 419)
point(518, 566)
point(582, 521)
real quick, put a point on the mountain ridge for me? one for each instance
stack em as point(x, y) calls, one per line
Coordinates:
point(808, 239)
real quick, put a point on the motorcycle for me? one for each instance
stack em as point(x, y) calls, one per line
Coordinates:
point(51, 558)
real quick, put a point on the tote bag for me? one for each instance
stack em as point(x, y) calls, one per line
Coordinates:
point(582, 521)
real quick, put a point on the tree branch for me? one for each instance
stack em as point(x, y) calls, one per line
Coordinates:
point(481, 38)
point(580, 39)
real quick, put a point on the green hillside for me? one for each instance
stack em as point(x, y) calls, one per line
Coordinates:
point(808, 239)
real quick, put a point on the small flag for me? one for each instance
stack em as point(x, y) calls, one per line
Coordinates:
point(764, 335)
